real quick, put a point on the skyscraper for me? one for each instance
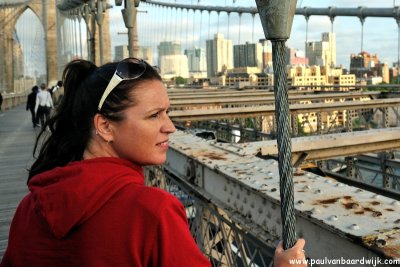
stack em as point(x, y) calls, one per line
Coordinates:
point(168, 48)
point(247, 55)
point(219, 55)
point(196, 59)
point(120, 52)
point(322, 53)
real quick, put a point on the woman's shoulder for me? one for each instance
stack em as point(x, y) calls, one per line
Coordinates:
point(150, 200)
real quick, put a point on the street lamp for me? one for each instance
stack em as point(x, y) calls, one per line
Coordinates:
point(129, 14)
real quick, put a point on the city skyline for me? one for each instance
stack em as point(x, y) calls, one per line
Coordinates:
point(347, 29)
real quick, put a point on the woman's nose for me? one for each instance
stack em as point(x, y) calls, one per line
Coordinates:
point(169, 126)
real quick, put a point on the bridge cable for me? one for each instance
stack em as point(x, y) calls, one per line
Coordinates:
point(187, 28)
point(176, 24)
point(275, 20)
point(240, 26)
point(201, 28)
point(229, 15)
point(194, 24)
point(252, 28)
point(209, 22)
point(80, 34)
point(218, 21)
point(284, 144)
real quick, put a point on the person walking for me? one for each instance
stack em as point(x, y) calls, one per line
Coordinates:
point(88, 204)
point(31, 104)
point(43, 105)
point(1, 101)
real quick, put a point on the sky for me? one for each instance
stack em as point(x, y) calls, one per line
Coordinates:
point(380, 34)
point(155, 25)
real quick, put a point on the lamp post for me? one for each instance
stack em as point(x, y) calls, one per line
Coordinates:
point(129, 14)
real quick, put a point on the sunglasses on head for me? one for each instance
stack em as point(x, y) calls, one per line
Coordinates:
point(127, 69)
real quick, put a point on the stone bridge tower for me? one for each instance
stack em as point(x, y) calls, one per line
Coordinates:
point(51, 20)
point(46, 12)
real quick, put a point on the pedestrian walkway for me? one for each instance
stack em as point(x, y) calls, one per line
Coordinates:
point(17, 137)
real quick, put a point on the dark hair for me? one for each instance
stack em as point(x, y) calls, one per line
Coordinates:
point(35, 88)
point(72, 122)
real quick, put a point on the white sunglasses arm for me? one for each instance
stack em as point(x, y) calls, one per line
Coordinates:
point(115, 80)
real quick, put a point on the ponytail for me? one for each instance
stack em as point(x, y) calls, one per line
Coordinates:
point(70, 128)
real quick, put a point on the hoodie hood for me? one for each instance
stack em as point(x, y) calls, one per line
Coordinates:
point(68, 196)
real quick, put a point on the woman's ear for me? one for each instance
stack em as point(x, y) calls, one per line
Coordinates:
point(103, 128)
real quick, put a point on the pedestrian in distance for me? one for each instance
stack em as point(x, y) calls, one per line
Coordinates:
point(31, 104)
point(56, 97)
point(1, 101)
point(43, 105)
point(88, 204)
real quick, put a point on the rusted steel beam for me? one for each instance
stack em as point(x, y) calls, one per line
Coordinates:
point(268, 110)
point(249, 99)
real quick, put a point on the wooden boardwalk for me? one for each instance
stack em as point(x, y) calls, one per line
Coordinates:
point(17, 137)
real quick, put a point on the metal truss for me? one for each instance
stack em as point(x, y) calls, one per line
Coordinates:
point(220, 238)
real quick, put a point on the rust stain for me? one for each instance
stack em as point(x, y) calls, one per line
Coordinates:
point(386, 243)
point(328, 201)
point(376, 214)
point(392, 251)
point(351, 205)
point(211, 155)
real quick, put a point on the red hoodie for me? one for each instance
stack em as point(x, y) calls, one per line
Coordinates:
point(99, 213)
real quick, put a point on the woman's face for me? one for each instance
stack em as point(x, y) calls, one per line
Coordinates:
point(142, 136)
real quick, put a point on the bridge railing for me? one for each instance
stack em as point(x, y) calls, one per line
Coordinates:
point(218, 231)
point(13, 100)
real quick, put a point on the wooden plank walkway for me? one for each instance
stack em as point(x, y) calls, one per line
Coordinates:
point(17, 137)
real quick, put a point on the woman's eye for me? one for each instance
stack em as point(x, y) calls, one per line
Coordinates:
point(155, 115)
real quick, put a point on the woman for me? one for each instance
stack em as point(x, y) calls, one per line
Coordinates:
point(88, 205)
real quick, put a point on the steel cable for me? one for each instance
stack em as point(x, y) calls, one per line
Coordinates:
point(284, 144)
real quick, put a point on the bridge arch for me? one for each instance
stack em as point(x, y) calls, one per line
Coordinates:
point(47, 14)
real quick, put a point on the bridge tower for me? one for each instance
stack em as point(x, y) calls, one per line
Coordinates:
point(51, 19)
point(46, 12)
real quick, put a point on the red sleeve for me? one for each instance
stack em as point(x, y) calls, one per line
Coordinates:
point(175, 245)
point(5, 261)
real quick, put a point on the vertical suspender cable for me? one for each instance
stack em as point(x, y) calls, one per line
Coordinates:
point(305, 45)
point(284, 143)
point(80, 34)
point(77, 36)
point(240, 26)
point(201, 27)
point(277, 17)
point(398, 48)
point(362, 20)
point(193, 35)
point(187, 28)
point(209, 23)
point(176, 25)
point(229, 15)
point(218, 21)
point(252, 28)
